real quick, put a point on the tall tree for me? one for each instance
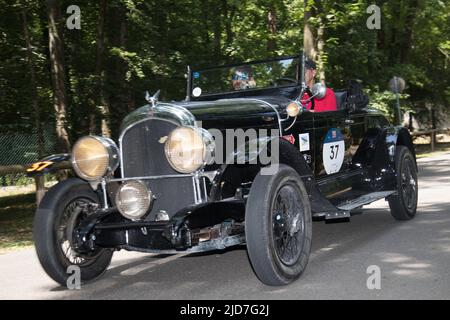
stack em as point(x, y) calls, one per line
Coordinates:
point(39, 180)
point(99, 71)
point(272, 26)
point(308, 35)
point(55, 46)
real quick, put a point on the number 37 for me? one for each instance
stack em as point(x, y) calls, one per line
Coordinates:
point(39, 166)
point(334, 149)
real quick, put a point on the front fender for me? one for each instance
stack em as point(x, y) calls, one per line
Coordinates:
point(49, 164)
point(55, 193)
point(376, 154)
point(396, 136)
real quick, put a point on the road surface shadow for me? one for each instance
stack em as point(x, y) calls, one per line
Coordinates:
point(194, 275)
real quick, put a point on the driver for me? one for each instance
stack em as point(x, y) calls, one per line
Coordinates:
point(327, 103)
point(243, 78)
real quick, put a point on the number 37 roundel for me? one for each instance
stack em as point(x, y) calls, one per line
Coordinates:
point(333, 151)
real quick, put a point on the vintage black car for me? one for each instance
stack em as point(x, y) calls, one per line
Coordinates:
point(172, 183)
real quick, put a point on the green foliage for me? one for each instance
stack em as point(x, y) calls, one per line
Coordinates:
point(148, 45)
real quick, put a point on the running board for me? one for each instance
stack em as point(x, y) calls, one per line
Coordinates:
point(363, 200)
point(332, 215)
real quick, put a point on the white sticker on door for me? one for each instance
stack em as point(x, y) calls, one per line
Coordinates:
point(333, 151)
point(304, 142)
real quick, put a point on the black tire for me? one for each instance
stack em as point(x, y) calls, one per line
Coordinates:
point(404, 204)
point(57, 205)
point(262, 227)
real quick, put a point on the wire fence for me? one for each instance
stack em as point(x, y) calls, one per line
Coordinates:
point(20, 148)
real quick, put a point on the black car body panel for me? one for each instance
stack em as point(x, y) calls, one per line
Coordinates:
point(206, 209)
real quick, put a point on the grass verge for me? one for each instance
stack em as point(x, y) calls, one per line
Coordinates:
point(428, 154)
point(16, 221)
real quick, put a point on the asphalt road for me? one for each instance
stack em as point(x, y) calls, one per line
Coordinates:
point(413, 257)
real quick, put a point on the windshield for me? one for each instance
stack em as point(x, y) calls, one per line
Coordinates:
point(248, 76)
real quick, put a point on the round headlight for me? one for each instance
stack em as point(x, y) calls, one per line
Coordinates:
point(133, 199)
point(94, 157)
point(293, 109)
point(189, 148)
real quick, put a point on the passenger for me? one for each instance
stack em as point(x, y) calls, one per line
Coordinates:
point(243, 78)
point(327, 103)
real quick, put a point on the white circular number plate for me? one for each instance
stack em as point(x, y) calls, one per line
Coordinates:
point(333, 151)
point(197, 92)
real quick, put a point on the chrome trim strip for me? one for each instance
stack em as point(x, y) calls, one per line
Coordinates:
point(105, 196)
point(199, 192)
point(172, 176)
point(196, 200)
point(204, 188)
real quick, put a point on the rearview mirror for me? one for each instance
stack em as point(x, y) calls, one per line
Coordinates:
point(319, 91)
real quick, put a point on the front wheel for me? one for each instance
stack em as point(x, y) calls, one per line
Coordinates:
point(58, 215)
point(278, 226)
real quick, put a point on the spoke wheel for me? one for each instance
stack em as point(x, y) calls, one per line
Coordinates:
point(70, 220)
point(278, 226)
point(59, 215)
point(409, 184)
point(288, 224)
point(404, 203)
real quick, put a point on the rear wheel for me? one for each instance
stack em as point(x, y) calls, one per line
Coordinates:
point(278, 226)
point(58, 216)
point(404, 203)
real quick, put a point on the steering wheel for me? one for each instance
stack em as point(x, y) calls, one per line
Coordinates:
point(275, 82)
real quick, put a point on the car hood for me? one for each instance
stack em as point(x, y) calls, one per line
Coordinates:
point(261, 112)
point(238, 113)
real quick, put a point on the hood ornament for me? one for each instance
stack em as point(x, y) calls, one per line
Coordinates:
point(153, 100)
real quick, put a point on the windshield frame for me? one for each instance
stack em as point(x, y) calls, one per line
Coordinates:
point(190, 80)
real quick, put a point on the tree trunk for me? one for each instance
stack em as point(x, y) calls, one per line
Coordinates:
point(205, 17)
point(321, 50)
point(99, 72)
point(39, 180)
point(407, 38)
point(272, 25)
point(228, 13)
point(128, 96)
point(58, 73)
point(33, 83)
point(308, 36)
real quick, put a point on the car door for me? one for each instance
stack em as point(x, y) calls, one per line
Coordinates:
point(301, 134)
point(358, 129)
point(332, 131)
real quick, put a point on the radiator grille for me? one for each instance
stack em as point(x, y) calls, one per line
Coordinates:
point(143, 155)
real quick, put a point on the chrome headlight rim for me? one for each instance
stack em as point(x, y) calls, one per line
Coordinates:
point(148, 197)
point(207, 149)
point(113, 157)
